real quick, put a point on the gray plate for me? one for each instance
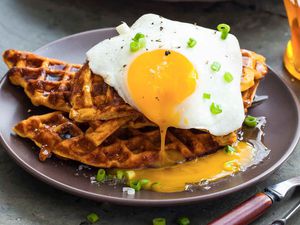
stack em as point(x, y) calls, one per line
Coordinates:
point(282, 132)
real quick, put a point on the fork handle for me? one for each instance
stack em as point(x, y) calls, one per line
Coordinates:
point(246, 212)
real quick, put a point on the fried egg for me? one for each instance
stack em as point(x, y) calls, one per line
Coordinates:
point(169, 80)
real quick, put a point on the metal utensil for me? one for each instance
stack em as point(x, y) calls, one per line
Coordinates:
point(257, 205)
point(258, 99)
point(288, 215)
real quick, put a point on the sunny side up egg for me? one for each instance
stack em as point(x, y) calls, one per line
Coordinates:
point(170, 81)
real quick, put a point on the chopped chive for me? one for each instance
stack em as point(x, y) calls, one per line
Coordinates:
point(159, 221)
point(232, 165)
point(250, 121)
point(206, 95)
point(120, 174)
point(229, 149)
point(228, 77)
point(224, 29)
point(144, 182)
point(138, 36)
point(138, 42)
point(135, 184)
point(183, 221)
point(142, 42)
point(101, 175)
point(134, 46)
point(215, 66)
point(92, 217)
point(191, 43)
point(215, 108)
point(138, 184)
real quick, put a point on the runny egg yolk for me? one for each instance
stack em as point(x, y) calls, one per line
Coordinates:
point(158, 81)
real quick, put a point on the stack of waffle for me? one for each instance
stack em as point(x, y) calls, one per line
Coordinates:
point(93, 125)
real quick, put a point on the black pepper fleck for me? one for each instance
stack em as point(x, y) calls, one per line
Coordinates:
point(152, 23)
point(124, 65)
point(158, 40)
point(161, 28)
point(167, 53)
point(157, 98)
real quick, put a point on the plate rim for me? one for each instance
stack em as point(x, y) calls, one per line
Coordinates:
point(149, 202)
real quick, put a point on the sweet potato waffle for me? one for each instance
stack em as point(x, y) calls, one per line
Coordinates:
point(116, 142)
point(93, 99)
point(117, 135)
point(46, 81)
point(254, 69)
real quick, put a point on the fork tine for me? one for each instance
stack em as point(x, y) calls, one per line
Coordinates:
point(258, 99)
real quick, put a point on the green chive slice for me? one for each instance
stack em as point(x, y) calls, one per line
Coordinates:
point(224, 29)
point(138, 184)
point(183, 220)
point(120, 174)
point(101, 175)
point(215, 108)
point(138, 36)
point(92, 217)
point(206, 95)
point(159, 221)
point(134, 46)
point(142, 42)
point(191, 43)
point(229, 149)
point(138, 42)
point(144, 182)
point(250, 121)
point(215, 66)
point(228, 77)
point(135, 184)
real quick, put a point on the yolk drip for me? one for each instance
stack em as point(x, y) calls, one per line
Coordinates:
point(209, 168)
point(158, 81)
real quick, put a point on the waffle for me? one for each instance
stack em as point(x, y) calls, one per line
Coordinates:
point(117, 135)
point(46, 81)
point(93, 99)
point(254, 69)
point(115, 143)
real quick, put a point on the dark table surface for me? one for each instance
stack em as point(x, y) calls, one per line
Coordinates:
point(28, 24)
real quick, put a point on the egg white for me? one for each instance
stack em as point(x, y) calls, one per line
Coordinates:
point(111, 58)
